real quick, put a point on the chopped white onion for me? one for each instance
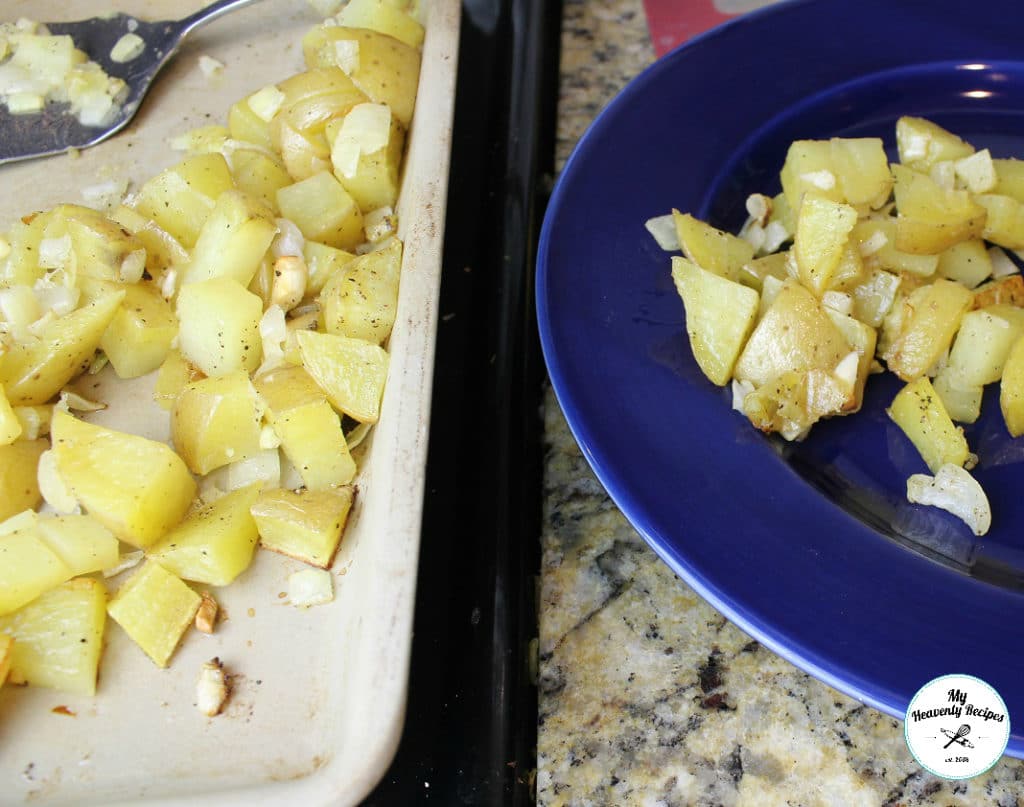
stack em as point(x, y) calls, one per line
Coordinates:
point(310, 587)
point(209, 66)
point(954, 490)
point(663, 228)
point(1002, 264)
point(289, 239)
point(128, 47)
point(266, 102)
point(54, 489)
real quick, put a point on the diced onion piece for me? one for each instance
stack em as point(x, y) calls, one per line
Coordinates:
point(128, 560)
point(837, 301)
point(823, 179)
point(1002, 264)
point(740, 390)
point(775, 235)
point(753, 233)
point(310, 587)
point(54, 253)
point(873, 243)
point(105, 195)
point(977, 171)
point(266, 102)
point(263, 467)
point(69, 401)
point(380, 223)
point(846, 371)
point(128, 47)
point(346, 55)
point(269, 439)
point(209, 66)
point(365, 130)
point(663, 229)
point(954, 490)
point(291, 479)
point(52, 486)
point(59, 299)
point(132, 267)
point(19, 307)
point(289, 239)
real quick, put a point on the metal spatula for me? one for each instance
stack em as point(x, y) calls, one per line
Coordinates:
point(53, 130)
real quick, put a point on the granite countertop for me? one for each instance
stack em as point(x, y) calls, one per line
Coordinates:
point(646, 694)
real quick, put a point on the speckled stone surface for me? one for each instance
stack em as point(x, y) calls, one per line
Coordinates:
point(648, 696)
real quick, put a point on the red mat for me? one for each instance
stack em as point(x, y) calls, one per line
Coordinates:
point(672, 22)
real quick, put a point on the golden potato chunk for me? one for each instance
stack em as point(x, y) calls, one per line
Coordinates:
point(155, 608)
point(351, 371)
point(58, 637)
point(19, 487)
point(920, 413)
point(306, 525)
point(720, 314)
point(136, 488)
point(217, 421)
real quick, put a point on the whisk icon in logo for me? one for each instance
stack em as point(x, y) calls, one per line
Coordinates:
point(957, 726)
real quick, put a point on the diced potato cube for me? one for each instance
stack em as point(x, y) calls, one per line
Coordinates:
point(216, 421)
point(982, 344)
point(361, 302)
point(245, 125)
point(306, 525)
point(713, 250)
point(172, 377)
point(139, 336)
point(808, 169)
point(932, 218)
point(28, 567)
point(794, 334)
point(259, 175)
point(233, 239)
point(100, 244)
point(181, 198)
point(862, 168)
point(794, 401)
point(351, 371)
point(922, 143)
point(383, 67)
point(34, 372)
point(380, 15)
point(977, 172)
point(720, 314)
point(81, 542)
point(323, 210)
point(322, 263)
point(822, 230)
point(932, 316)
point(919, 412)
point(219, 326)
point(135, 487)
point(876, 239)
point(754, 272)
point(1004, 224)
point(1007, 290)
point(215, 543)
point(963, 403)
point(155, 608)
point(309, 429)
point(1011, 390)
point(19, 487)
point(967, 263)
point(58, 637)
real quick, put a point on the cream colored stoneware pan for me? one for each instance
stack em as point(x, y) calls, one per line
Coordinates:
point(319, 698)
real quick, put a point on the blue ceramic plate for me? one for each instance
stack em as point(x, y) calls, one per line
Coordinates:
point(810, 547)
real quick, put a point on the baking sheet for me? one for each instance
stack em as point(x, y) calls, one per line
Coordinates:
point(319, 695)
